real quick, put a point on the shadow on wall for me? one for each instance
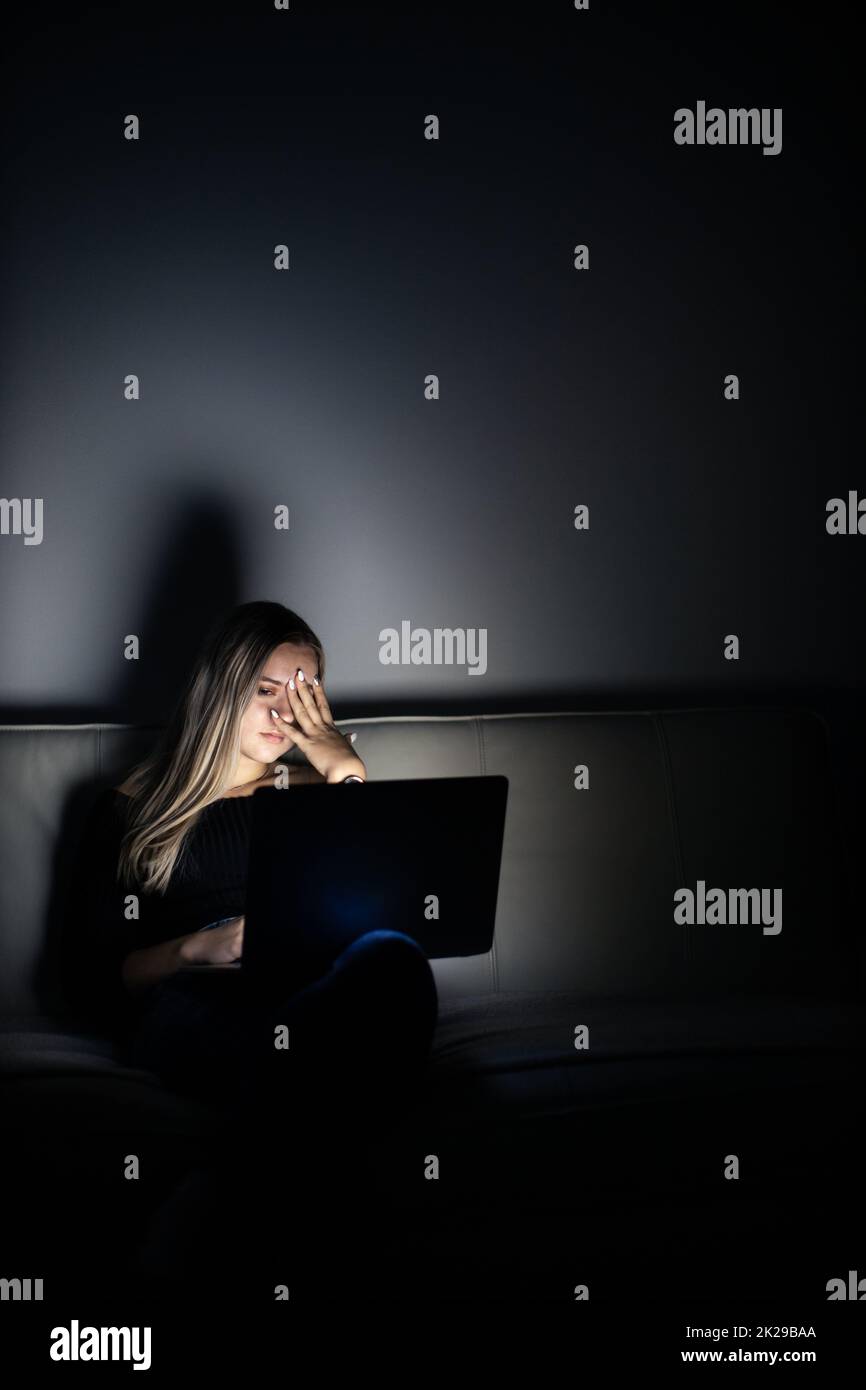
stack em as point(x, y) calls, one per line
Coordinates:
point(196, 578)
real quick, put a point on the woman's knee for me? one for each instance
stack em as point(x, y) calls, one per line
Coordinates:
point(388, 973)
point(391, 957)
point(383, 940)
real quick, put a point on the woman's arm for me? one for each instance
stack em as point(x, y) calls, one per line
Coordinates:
point(219, 944)
point(150, 964)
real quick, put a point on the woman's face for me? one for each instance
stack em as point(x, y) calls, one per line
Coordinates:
point(259, 739)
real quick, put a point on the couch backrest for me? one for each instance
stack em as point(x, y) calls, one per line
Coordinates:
point(736, 798)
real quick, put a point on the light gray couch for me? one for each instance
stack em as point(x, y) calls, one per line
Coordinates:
point(702, 1039)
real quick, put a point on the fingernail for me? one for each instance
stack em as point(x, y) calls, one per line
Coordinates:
point(300, 675)
point(275, 713)
point(291, 682)
point(315, 680)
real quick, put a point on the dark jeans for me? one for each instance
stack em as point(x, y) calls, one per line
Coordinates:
point(358, 1037)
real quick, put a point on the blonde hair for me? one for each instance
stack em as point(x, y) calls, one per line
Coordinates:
point(195, 758)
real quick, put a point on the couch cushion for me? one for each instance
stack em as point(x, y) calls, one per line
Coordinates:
point(61, 1086)
point(664, 1091)
point(515, 1050)
point(35, 1044)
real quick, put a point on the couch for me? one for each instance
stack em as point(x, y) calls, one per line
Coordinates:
point(560, 1166)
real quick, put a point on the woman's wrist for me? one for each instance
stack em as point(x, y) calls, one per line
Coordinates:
point(355, 768)
point(186, 949)
point(147, 965)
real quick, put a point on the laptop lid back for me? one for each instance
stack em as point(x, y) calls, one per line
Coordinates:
point(328, 864)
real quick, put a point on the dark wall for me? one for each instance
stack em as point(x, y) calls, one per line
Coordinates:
point(454, 256)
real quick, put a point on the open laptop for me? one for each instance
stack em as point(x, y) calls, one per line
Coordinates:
point(417, 856)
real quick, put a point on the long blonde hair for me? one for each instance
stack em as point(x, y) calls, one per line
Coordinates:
point(195, 758)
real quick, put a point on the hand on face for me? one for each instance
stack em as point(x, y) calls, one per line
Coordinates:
point(314, 731)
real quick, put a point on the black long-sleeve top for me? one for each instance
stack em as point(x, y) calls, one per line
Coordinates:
point(208, 882)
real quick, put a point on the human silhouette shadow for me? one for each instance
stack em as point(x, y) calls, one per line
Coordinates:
point(187, 595)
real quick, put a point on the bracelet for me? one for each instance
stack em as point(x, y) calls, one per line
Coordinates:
point(353, 777)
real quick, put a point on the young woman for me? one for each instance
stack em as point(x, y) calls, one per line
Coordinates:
point(162, 884)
